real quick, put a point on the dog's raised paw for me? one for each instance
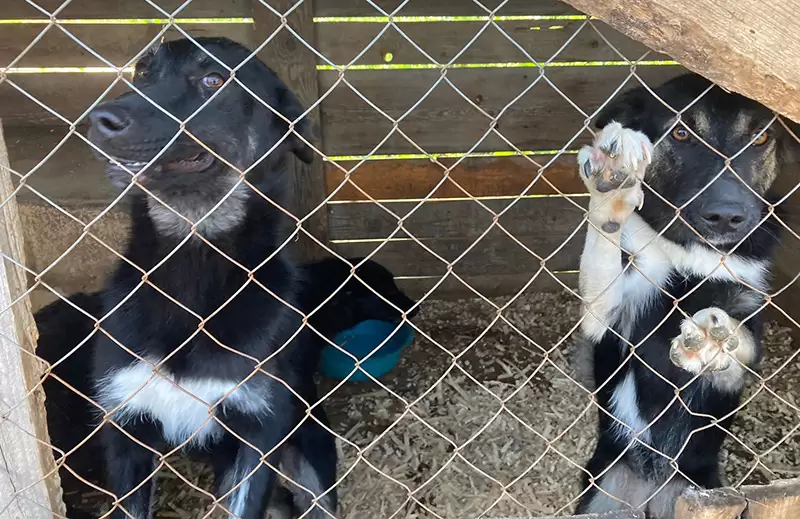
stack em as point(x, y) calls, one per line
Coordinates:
point(705, 342)
point(612, 169)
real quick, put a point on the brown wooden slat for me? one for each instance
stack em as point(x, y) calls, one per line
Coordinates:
point(126, 9)
point(490, 285)
point(392, 180)
point(70, 177)
point(494, 253)
point(444, 121)
point(455, 219)
point(116, 43)
point(442, 7)
point(341, 43)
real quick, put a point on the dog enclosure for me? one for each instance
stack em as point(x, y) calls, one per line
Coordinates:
point(445, 150)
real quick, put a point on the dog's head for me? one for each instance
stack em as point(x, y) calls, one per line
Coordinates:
point(354, 302)
point(179, 77)
point(722, 207)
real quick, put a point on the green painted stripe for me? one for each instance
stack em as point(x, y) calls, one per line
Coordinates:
point(437, 19)
point(552, 64)
point(451, 155)
point(122, 21)
point(435, 200)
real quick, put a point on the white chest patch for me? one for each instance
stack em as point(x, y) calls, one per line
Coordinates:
point(181, 407)
point(658, 259)
point(625, 408)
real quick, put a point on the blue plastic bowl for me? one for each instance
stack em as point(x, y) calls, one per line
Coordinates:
point(359, 341)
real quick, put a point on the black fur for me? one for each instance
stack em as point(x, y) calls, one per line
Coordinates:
point(682, 171)
point(61, 327)
point(353, 302)
point(255, 324)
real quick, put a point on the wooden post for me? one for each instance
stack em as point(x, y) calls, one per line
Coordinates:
point(29, 484)
point(747, 46)
point(778, 500)
point(719, 503)
point(297, 67)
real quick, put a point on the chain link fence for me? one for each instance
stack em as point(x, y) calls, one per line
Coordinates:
point(479, 110)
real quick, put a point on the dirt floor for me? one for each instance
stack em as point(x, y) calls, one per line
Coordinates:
point(506, 429)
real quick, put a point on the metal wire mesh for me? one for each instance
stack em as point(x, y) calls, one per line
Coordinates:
point(498, 405)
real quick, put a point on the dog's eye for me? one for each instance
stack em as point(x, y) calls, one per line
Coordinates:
point(213, 81)
point(681, 134)
point(760, 139)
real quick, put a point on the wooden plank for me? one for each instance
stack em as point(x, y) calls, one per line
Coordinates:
point(709, 504)
point(493, 254)
point(541, 40)
point(442, 7)
point(71, 177)
point(126, 9)
point(455, 219)
point(118, 44)
point(29, 483)
point(404, 179)
point(746, 46)
point(444, 121)
point(71, 94)
point(493, 285)
point(778, 500)
point(296, 65)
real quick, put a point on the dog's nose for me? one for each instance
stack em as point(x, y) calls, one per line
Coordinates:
point(724, 217)
point(109, 121)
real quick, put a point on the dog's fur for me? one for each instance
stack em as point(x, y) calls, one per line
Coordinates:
point(62, 328)
point(230, 382)
point(353, 301)
point(629, 296)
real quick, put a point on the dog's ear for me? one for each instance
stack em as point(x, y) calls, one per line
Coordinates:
point(790, 145)
point(291, 108)
point(264, 82)
point(627, 109)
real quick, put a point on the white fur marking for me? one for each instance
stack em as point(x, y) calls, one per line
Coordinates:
point(179, 414)
point(656, 256)
point(625, 407)
point(224, 219)
point(238, 500)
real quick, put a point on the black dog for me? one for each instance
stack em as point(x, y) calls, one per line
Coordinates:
point(70, 416)
point(62, 327)
point(203, 354)
point(352, 301)
point(639, 259)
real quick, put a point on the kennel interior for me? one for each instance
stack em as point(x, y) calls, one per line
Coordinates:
point(447, 138)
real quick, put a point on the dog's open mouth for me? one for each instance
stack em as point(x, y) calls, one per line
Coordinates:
point(196, 163)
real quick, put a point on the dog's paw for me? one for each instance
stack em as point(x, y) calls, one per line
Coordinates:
point(706, 342)
point(613, 169)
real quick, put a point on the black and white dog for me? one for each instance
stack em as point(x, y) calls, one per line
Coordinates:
point(62, 327)
point(671, 304)
point(206, 353)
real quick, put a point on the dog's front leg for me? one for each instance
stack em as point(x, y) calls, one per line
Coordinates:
point(718, 346)
point(247, 480)
point(130, 469)
point(612, 169)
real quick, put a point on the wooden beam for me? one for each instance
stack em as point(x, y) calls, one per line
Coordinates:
point(721, 503)
point(746, 46)
point(29, 482)
point(778, 500)
point(296, 65)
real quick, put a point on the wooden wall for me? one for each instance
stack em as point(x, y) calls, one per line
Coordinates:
point(438, 113)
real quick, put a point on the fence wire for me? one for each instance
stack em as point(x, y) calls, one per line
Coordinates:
point(386, 461)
